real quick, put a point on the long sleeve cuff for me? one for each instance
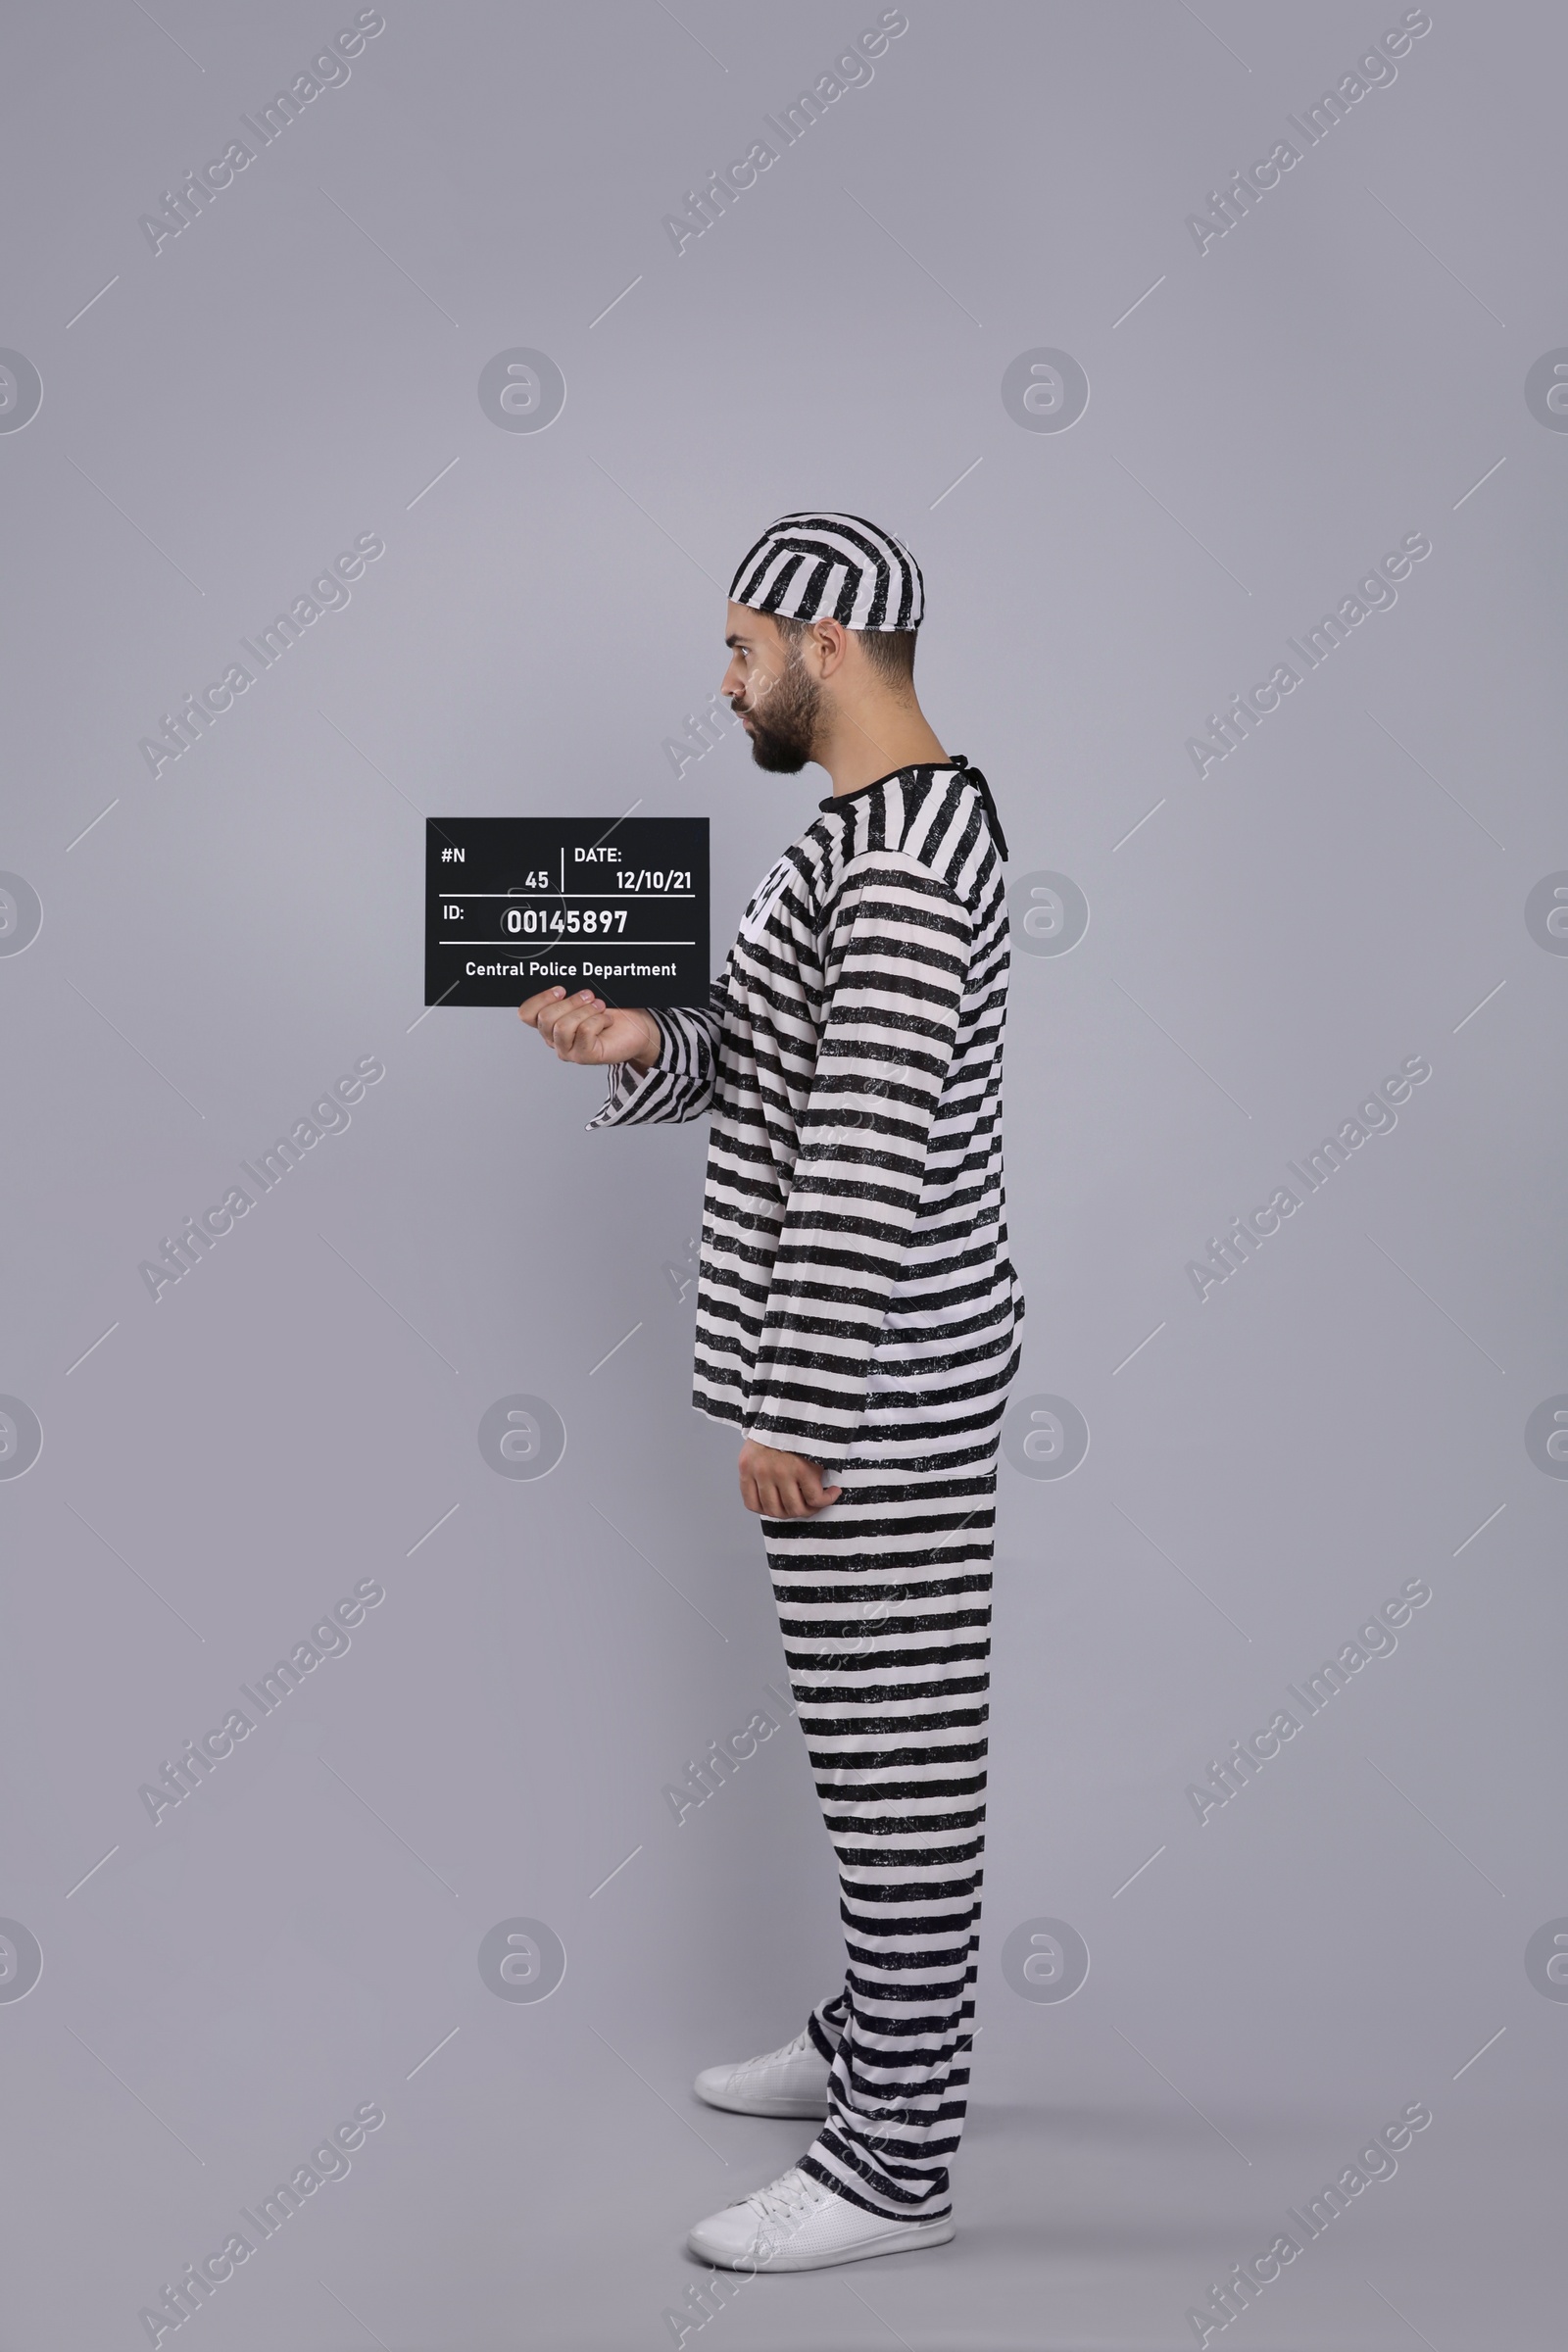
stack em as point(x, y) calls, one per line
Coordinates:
point(629, 1096)
point(679, 1085)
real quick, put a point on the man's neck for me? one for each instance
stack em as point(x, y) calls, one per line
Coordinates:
point(873, 741)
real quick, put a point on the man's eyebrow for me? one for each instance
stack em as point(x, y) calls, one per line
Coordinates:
point(735, 638)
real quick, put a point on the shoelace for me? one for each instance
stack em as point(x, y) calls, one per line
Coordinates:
point(783, 2207)
point(791, 2049)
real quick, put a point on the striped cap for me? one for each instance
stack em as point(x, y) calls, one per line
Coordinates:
point(831, 567)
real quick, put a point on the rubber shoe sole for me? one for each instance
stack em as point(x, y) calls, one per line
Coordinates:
point(900, 2237)
point(808, 2106)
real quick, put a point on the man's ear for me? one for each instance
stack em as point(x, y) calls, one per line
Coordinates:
point(832, 640)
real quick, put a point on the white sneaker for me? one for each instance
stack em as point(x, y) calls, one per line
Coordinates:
point(797, 2225)
point(792, 2080)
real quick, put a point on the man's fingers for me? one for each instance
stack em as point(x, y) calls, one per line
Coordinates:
point(558, 1023)
point(763, 1495)
point(530, 1010)
point(574, 1028)
point(778, 1484)
point(816, 1495)
point(786, 1497)
point(560, 1020)
point(551, 1015)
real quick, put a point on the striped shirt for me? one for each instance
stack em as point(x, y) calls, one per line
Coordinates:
point(854, 1289)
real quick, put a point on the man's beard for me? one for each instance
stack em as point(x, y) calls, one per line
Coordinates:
point(782, 742)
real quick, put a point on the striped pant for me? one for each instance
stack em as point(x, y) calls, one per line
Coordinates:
point(883, 1599)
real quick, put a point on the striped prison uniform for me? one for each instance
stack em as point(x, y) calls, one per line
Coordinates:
point(856, 1304)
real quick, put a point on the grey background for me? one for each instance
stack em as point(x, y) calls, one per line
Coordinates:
point(1344, 890)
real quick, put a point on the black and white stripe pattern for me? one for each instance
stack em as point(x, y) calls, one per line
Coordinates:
point(831, 567)
point(855, 1272)
point(856, 1303)
point(883, 1599)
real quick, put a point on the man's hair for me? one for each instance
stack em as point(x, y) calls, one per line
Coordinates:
point(890, 652)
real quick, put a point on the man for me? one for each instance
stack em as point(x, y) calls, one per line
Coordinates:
point(856, 1319)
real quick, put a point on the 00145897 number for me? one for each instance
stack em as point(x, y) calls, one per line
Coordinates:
point(534, 921)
